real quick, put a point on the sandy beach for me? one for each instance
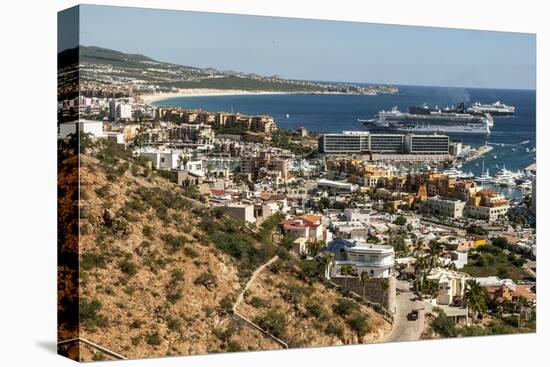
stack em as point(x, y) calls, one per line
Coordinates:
point(200, 92)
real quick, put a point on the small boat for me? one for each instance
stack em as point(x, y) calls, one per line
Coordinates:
point(495, 157)
point(287, 115)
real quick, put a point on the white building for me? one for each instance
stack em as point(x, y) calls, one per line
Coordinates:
point(490, 213)
point(86, 126)
point(445, 207)
point(451, 285)
point(376, 260)
point(496, 282)
point(119, 110)
point(124, 111)
point(459, 259)
point(244, 212)
point(356, 215)
point(306, 226)
point(166, 159)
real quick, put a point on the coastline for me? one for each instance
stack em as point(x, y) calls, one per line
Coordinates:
point(202, 92)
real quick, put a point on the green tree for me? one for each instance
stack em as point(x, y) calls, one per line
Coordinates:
point(500, 242)
point(476, 298)
point(400, 220)
point(315, 247)
point(347, 271)
point(363, 279)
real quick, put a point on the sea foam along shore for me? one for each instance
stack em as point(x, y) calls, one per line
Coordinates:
point(201, 92)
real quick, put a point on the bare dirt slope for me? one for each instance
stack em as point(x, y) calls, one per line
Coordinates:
point(159, 272)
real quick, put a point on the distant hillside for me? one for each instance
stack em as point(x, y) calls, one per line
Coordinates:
point(101, 67)
point(116, 58)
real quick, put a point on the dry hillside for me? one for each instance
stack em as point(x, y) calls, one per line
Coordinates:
point(159, 272)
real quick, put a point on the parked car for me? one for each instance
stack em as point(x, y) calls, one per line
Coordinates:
point(413, 315)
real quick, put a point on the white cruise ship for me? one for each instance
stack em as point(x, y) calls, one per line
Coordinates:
point(425, 119)
point(495, 109)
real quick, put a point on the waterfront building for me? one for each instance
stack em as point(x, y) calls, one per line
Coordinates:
point(363, 142)
point(427, 144)
point(487, 204)
point(386, 143)
point(347, 142)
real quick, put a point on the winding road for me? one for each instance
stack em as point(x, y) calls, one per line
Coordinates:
point(403, 329)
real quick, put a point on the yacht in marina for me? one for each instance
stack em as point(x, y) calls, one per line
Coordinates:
point(527, 185)
point(506, 177)
point(484, 178)
point(456, 173)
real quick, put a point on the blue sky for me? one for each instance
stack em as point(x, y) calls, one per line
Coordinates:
point(315, 49)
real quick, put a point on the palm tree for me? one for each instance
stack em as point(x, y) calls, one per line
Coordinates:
point(417, 250)
point(346, 270)
point(451, 266)
point(363, 279)
point(432, 259)
point(420, 273)
point(314, 248)
point(476, 298)
point(327, 261)
point(525, 308)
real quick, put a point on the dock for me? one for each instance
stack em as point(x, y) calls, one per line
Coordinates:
point(479, 152)
point(532, 167)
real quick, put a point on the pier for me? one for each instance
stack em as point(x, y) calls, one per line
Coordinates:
point(532, 167)
point(478, 153)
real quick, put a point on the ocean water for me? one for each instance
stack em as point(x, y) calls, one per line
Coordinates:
point(336, 113)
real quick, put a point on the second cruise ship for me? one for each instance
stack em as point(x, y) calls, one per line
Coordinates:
point(495, 109)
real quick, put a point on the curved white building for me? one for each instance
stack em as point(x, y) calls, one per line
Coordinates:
point(376, 260)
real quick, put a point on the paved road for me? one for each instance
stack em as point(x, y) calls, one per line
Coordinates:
point(403, 329)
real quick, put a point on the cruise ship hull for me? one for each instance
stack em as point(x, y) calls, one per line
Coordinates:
point(430, 128)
